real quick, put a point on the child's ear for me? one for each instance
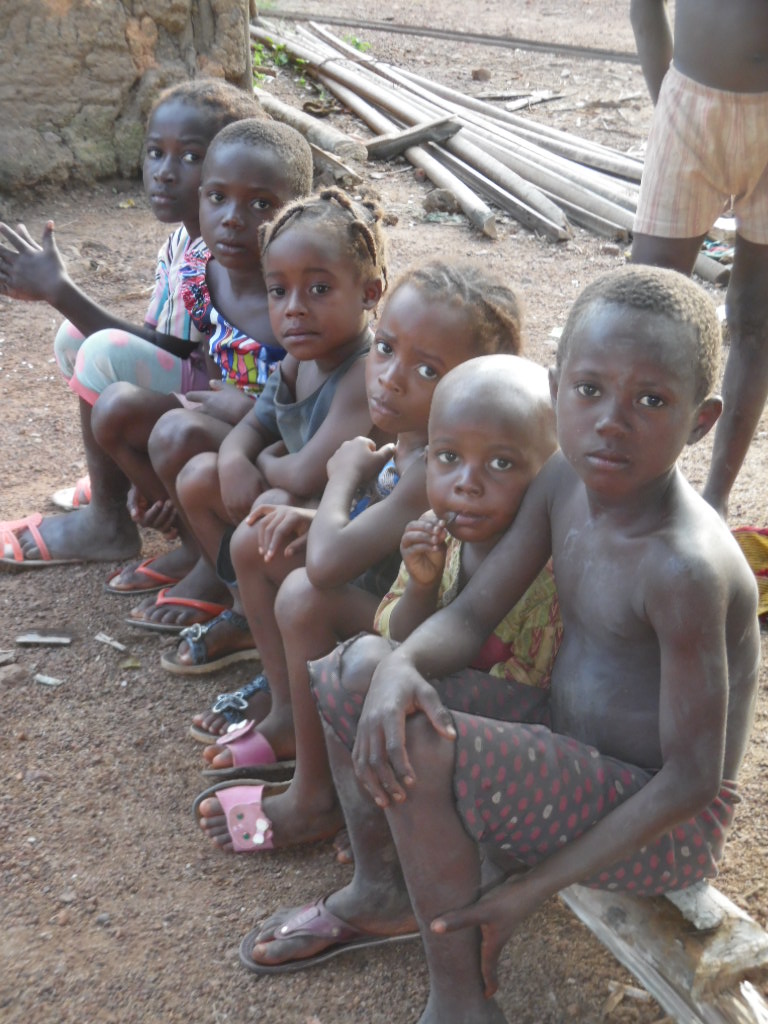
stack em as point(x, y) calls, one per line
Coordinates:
point(554, 383)
point(706, 417)
point(372, 293)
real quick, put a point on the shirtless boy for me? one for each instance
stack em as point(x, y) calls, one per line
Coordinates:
point(652, 697)
point(708, 143)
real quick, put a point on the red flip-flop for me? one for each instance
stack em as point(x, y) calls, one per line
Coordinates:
point(209, 609)
point(156, 580)
point(13, 553)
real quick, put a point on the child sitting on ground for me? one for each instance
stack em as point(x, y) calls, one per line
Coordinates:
point(622, 774)
point(95, 348)
point(330, 600)
point(324, 264)
point(252, 168)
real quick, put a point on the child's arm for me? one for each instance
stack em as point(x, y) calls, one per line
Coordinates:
point(653, 36)
point(37, 273)
point(423, 552)
point(687, 610)
point(339, 549)
point(303, 473)
point(239, 479)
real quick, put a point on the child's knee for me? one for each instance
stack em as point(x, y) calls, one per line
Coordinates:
point(170, 445)
point(244, 551)
point(358, 661)
point(296, 601)
point(197, 480)
point(116, 406)
point(66, 345)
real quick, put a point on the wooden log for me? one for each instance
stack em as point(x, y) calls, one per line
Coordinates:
point(386, 147)
point(710, 270)
point(591, 153)
point(319, 133)
point(494, 193)
point(698, 977)
point(478, 214)
point(356, 87)
point(342, 173)
point(415, 113)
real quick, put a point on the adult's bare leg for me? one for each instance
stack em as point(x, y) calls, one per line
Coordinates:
point(745, 382)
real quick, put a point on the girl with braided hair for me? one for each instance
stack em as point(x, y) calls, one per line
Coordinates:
point(324, 266)
point(436, 317)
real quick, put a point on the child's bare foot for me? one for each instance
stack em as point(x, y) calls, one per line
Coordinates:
point(223, 641)
point(283, 823)
point(90, 534)
point(252, 702)
point(346, 919)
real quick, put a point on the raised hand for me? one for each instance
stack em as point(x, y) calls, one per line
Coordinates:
point(359, 459)
point(423, 549)
point(29, 271)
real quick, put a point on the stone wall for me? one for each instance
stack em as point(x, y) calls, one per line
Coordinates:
point(77, 78)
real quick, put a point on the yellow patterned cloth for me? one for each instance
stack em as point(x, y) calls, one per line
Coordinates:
point(753, 541)
point(524, 644)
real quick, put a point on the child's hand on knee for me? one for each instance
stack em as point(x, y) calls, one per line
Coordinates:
point(240, 486)
point(423, 550)
point(223, 402)
point(280, 528)
point(380, 756)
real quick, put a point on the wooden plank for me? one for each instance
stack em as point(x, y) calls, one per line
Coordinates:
point(385, 147)
point(698, 977)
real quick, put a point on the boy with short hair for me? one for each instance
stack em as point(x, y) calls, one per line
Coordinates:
point(622, 775)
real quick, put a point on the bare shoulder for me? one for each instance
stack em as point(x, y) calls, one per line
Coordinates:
point(694, 564)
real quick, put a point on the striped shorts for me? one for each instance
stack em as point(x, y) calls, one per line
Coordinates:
point(706, 148)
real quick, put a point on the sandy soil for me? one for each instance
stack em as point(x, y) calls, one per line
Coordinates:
point(115, 909)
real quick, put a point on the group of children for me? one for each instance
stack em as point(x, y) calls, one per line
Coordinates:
point(498, 631)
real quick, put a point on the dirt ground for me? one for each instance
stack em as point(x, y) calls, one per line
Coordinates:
point(115, 909)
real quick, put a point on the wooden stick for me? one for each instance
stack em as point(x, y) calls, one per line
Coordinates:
point(476, 211)
point(332, 70)
point(386, 147)
point(490, 190)
point(414, 113)
point(325, 161)
point(319, 133)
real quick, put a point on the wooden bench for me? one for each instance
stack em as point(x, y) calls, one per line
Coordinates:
point(694, 951)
